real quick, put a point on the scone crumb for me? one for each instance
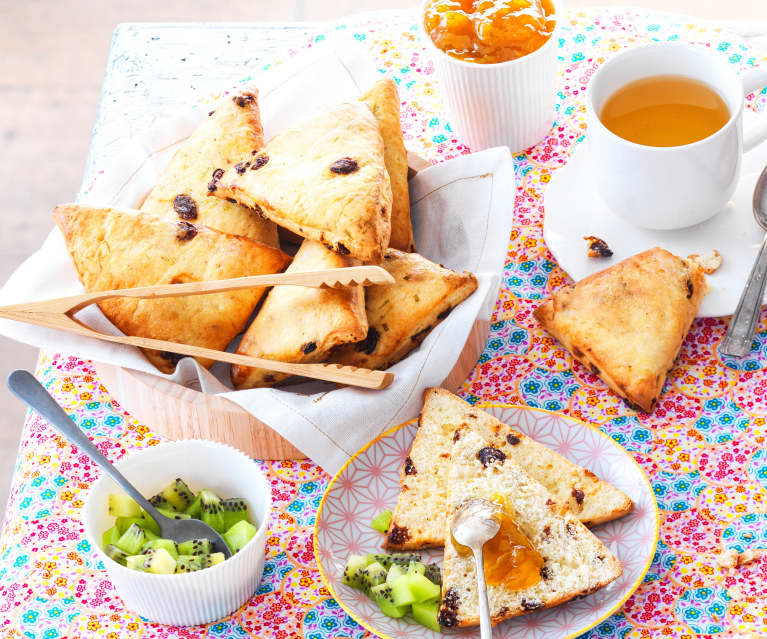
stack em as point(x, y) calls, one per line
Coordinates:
point(597, 247)
point(709, 262)
point(731, 558)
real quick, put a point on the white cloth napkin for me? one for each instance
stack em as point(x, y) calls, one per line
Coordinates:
point(462, 213)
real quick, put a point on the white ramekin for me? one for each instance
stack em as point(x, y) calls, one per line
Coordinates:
point(196, 597)
point(504, 104)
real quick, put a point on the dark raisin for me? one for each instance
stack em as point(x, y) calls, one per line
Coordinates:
point(549, 502)
point(545, 572)
point(398, 535)
point(211, 112)
point(570, 529)
point(410, 467)
point(241, 167)
point(577, 352)
point(456, 436)
point(579, 495)
point(451, 599)
point(488, 454)
point(258, 162)
point(269, 378)
point(259, 211)
point(213, 184)
point(340, 248)
point(547, 531)
point(503, 611)
point(531, 605)
point(309, 347)
point(690, 289)
point(344, 166)
point(173, 358)
point(243, 100)
point(513, 439)
point(185, 231)
point(447, 619)
point(472, 416)
point(421, 335)
point(594, 370)
point(368, 345)
point(445, 313)
point(232, 200)
point(185, 206)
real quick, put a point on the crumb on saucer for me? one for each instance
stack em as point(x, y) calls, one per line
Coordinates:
point(597, 247)
point(709, 262)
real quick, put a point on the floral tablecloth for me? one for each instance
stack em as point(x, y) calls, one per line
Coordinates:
point(703, 447)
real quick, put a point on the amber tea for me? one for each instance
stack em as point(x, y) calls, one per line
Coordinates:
point(665, 110)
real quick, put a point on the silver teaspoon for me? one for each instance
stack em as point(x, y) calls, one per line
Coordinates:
point(34, 395)
point(740, 333)
point(476, 522)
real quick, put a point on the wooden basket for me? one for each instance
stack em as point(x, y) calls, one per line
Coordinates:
point(177, 412)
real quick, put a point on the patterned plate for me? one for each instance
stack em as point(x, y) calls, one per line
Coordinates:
point(369, 483)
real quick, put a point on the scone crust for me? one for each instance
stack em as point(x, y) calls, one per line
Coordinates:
point(627, 323)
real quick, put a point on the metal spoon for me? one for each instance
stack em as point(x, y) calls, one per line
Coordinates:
point(474, 523)
point(32, 393)
point(740, 333)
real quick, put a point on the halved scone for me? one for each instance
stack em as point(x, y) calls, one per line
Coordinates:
point(627, 323)
point(324, 179)
point(302, 324)
point(401, 315)
point(116, 248)
point(554, 557)
point(419, 517)
point(383, 100)
point(183, 191)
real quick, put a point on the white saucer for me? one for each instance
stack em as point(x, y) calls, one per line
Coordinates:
point(573, 209)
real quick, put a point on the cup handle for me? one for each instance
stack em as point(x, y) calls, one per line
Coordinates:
point(755, 134)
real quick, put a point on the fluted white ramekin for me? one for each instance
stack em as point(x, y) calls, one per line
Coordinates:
point(196, 597)
point(503, 104)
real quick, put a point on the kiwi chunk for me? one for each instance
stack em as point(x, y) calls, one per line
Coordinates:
point(355, 565)
point(160, 562)
point(110, 536)
point(235, 509)
point(136, 562)
point(154, 544)
point(425, 613)
point(123, 506)
point(381, 521)
point(212, 512)
point(113, 552)
point(387, 561)
point(433, 574)
point(374, 575)
point(178, 495)
point(172, 514)
point(238, 535)
point(188, 563)
point(213, 559)
point(194, 510)
point(195, 547)
point(131, 540)
point(381, 594)
point(395, 571)
point(123, 523)
point(416, 568)
point(158, 501)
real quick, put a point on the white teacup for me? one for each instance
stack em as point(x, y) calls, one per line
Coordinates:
point(670, 187)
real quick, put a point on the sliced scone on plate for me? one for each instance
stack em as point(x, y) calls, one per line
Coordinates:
point(325, 179)
point(383, 100)
point(183, 192)
point(418, 520)
point(543, 555)
point(627, 322)
point(401, 315)
point(300, 323)
point(117, 248)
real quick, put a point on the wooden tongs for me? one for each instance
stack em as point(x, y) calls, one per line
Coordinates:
point(59, 314)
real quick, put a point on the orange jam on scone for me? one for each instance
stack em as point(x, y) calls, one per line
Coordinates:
point(489, 31)
point(509, 558)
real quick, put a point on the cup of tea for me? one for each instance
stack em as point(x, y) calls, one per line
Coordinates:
point(496, 63)
point(665, 133)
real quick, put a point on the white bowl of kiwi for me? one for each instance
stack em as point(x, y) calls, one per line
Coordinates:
point(182, 584)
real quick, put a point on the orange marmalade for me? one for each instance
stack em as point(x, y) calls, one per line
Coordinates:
point(489, 31)
point(509, 558)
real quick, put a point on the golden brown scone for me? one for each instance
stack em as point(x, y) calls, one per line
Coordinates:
point(383, 100)
point(231, 131)
point(401, 315)
point(627, 323)
point(115, 248)
point(302, 324)
point(325, 179)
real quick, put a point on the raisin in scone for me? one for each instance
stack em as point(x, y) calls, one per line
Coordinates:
point(627, 323)
point(419, 516)
point(562, 558)
point(116, 248)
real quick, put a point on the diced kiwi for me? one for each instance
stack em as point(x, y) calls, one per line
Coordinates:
point(238, 535)
point(381, 521)
point(425, 613)
point(395, 571)
point(188, 563)
point(150, 535)
point(135, 562)
point(212, 513)
point(413, 587)
point(235, 509)
point(355, 565)
point(381, 594)
point(178, 495)
point(131, 540)
point(416, 568)
point(123, 523)
point(154, 544)
point(160, 562)
point(173, 514)
point(110, 536)
point(387, 561)
point(401, 593)
point(158, 501)
point(433, 574)
point(213, 559)
point(113, 552)
point(195, 547)
point(374, 575)
point(148, 523)
point(123, 506)
point(194, 509)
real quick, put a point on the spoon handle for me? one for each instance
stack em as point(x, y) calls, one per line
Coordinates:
point(34, 395)
point(485, 627)
point(740, 333)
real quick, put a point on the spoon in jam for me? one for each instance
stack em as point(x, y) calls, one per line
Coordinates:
point(475, 523)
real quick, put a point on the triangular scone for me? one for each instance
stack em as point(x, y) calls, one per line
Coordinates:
point(183, 191)
point(325, 179)
point(627, 323)
point(574, 561)
point(419, 517)
point(302, 324)
point(383, 100)
point(114, 248)
point(401, 315)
